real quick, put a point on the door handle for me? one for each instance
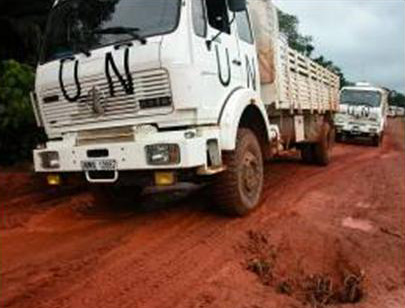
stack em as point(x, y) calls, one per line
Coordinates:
point(237, 62)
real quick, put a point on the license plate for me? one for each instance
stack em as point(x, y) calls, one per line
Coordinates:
point(355, 130)
point(99, 165)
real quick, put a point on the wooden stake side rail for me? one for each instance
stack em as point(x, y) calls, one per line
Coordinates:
point(306, 85)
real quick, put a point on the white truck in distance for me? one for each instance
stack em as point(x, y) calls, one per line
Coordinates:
point(392, 111)
point(400, 112)
point(134, 93)
point(363, 113)
point(396, 111)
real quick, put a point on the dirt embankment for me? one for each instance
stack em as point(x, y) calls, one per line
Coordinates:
point(323, 236)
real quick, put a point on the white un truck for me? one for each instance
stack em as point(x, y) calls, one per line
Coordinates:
point(363, 113)
point(134, 93)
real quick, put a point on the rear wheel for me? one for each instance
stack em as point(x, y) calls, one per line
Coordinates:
point(377, 140)
point(308, 153)
point(238, 190)
point(318, 153)
point(324, 146)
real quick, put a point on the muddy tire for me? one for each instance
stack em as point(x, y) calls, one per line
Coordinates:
point(308, 153)
point(323, 148)
point(377, 140)
point(116, 196)
point(237, 191)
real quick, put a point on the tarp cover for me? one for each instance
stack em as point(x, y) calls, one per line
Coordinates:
point(264, 22)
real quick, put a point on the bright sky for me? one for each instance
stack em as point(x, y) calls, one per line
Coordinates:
point(366, 38)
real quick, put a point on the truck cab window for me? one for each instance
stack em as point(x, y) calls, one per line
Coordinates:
point(199, 22)
point(218, 17)
point(244, 29)
point(361, 97)
point(92, 24)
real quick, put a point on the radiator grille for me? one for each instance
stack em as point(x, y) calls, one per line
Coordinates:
point(147, 85)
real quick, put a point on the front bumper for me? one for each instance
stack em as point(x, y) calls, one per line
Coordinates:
point(358, 129)
point(131, 156)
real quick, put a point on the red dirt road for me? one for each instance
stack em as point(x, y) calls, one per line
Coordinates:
point(316, 227)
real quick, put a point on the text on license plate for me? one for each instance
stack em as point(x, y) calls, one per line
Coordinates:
point(99, 165)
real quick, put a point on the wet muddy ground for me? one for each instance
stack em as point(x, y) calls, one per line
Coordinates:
point(322, 237)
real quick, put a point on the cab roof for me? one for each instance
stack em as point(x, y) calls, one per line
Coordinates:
point(365, 88)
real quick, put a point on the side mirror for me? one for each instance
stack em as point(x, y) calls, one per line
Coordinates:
point(237, 5)
point(392, 94)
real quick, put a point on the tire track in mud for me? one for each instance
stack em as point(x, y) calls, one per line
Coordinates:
point(173, 256)
point(60, 259)
point(16, 210)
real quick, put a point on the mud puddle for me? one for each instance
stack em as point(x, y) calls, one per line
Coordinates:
point(342, 283)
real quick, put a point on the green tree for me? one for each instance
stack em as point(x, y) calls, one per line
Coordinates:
point(289, 27)
point(398, 99)
point(18, 131)
point(21, 26)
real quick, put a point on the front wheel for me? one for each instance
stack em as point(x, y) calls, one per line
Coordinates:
point(238, 190)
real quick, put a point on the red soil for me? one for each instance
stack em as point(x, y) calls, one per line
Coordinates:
point(61, 249)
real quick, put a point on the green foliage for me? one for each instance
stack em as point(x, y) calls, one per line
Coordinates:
point(21, 26)
point(398, 99)
point(289, 27)
point(18, 132)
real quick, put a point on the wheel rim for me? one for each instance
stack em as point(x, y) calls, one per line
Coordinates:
point(251, 175)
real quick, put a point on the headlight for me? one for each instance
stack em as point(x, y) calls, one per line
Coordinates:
point(339, 118)
point(50, 160)
point(163, 154)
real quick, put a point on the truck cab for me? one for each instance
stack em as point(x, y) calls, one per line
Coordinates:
point(145, 92)
point(363, 113)
point(134, 93)
point(141, 68)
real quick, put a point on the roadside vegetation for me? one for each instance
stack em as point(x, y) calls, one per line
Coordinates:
point(18, 131)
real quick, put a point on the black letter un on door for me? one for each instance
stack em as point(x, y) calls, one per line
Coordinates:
point(127, 84)
point(76, 79)
point(222, 80)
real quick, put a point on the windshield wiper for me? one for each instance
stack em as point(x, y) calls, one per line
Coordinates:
point(123, 30)
point(84, 50)
point(350, 103)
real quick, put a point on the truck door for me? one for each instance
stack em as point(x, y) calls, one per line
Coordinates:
point(247, 50)
point(215, 54)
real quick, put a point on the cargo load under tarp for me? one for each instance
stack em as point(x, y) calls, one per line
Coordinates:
point(289, 80)
point(265, 28)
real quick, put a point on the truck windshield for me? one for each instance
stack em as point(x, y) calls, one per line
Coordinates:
point(80, 25)
point(357, 97)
